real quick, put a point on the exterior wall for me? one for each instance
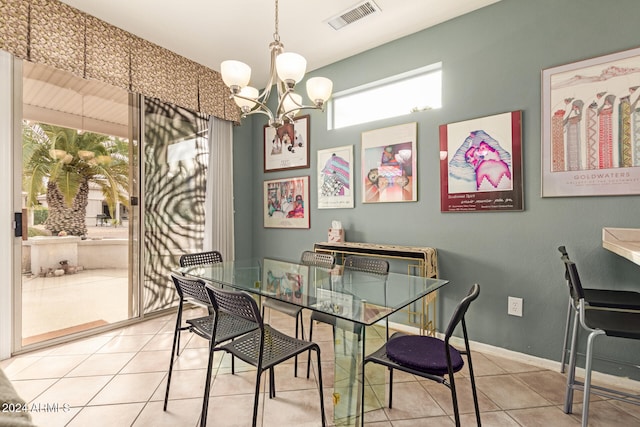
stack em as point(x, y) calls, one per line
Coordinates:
point(40, 254)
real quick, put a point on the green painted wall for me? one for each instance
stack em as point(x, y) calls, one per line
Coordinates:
point(492, 61)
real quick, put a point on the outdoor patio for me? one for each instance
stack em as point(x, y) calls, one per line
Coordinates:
point(54, 306)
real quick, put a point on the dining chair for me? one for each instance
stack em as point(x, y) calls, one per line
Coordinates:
point(612, 323)
point(315, 259)
point(430, 357)
point(200, 258)
point(190, 260)
point(605, 299)
point(352, 263)
point(263, 348)
point(228, 327)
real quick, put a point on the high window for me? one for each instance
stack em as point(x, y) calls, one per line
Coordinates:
point(415, 90)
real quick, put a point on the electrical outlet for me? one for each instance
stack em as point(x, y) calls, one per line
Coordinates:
point(515, 306)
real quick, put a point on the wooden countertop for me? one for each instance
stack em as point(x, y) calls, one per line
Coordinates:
point(623, 241)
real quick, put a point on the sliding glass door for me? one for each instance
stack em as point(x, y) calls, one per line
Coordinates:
point(113, 190)
point(79, 167)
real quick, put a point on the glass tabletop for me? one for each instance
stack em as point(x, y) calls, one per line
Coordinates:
point(347, 294)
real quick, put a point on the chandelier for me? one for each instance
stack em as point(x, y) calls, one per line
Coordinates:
point(287, 69)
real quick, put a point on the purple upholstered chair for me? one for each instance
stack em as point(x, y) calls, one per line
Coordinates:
point(430, 357)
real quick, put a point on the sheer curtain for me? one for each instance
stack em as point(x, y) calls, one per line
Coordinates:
point(219, 228)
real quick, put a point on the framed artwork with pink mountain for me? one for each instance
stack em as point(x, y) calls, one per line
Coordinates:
point(481, 164)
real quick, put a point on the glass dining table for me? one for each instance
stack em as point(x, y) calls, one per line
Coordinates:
point(359, 302)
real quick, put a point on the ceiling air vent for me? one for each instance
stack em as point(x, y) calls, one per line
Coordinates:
point(354, 14)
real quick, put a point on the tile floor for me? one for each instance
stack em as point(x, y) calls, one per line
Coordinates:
point(118, 379)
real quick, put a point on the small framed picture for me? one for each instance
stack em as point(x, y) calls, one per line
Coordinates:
point(335, 177)
point(286, 203)
point(389, 172)
point(287, 147)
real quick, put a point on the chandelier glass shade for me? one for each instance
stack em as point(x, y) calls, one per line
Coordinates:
point(287, 70)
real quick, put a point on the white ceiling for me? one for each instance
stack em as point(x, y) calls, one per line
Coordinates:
point(208, 31)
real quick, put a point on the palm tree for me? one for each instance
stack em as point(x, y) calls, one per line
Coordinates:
point(62, 162)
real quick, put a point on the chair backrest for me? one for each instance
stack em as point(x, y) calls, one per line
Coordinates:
point(367, 264)
point(236, 303)
point(193, 289)
point(200, 258)
point(461, 310)
point(575, 285)
point(317, 259)
point(565, 257)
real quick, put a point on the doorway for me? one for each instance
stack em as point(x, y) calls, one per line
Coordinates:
point(79, 161)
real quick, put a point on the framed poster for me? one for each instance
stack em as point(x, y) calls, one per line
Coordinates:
point(286, 281)
point(591, 127)
point(481, 164)
point(286, 203)
point(287, 147)
point(335, 177)
point(389, 172)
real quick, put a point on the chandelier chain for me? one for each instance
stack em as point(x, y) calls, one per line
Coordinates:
point(276, 35)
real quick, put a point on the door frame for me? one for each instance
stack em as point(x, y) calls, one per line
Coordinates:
point(9, 243)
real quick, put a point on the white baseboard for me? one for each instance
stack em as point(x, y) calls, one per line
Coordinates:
point(604, 380)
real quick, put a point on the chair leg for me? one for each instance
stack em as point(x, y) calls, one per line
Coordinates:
point(295, 359)
point(454, 398)
point(176, 341)
point(571, 375)
point(256, 397)
point(207, 387)
point(390, 388)
point(309, 355)
point(320, 388)
point(567, 325)
point(178, 329)
point(301, 325)
point(473, 388)
point(299, 321)
point(272, 383)
point(587, 376)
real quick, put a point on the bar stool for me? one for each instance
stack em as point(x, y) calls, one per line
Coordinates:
point(612, 323)
point(607, 299)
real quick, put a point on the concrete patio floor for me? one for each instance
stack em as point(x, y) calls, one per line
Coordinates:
point(53, 306)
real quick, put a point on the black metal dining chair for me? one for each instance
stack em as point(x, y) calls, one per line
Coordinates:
point(228, 327)
point(430, 357)
point(604, 299)
point(200, 258)
point(190, 260)
point(315, 259)
point(612, 323)
point(263, 348)
point(356, 264)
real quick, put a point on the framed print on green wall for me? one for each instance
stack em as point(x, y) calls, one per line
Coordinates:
point(591, 127)
point(287, 147)
point(286, 203)
point(335, 177)
point(389, 172)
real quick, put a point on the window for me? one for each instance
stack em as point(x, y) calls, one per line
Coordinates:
point(394, 96)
